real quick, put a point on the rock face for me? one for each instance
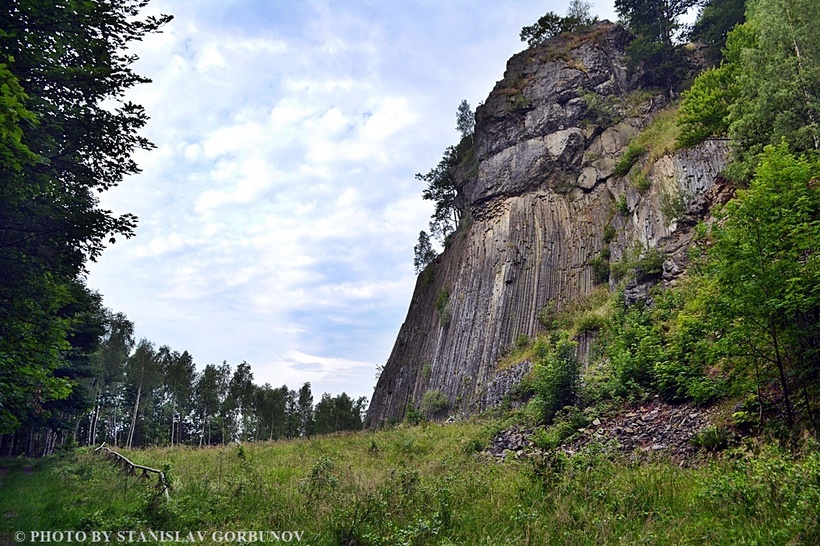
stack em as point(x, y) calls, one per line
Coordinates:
point(539, 196)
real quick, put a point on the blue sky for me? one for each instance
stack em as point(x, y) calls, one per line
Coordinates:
point(279, 211)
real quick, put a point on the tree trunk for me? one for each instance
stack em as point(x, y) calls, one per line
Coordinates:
point(134, 418)
point(173, 407)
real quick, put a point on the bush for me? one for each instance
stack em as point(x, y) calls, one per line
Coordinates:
point(434, 401)
point(600, 269)
point(631, 156)
point(555, 378)
point(445, 312)
point(622, 206)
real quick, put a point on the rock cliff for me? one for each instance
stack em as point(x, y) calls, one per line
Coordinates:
point(541, 200)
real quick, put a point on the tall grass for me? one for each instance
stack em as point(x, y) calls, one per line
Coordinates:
point(424, 485)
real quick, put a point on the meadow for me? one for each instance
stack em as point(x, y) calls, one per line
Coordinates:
point(424, 484)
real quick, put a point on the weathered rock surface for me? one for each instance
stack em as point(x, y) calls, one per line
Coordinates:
point(654, 428)
point(539, 202)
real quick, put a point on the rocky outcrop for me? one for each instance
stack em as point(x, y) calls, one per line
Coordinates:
point(539, 196)
point(652, 429)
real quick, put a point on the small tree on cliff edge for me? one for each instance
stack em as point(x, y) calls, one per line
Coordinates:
point(465, 119)
point(423, 252)
point(551, 24)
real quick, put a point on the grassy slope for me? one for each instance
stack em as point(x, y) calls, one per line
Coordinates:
point(424, 485)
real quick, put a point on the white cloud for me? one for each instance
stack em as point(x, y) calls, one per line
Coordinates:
point(279, 212)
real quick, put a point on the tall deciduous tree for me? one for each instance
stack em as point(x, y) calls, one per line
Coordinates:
point(179, 371)
point(144, 374)
point(766, 261)
point(209, 395)
point(66, 133)
point(778, 79)
point(109, 370)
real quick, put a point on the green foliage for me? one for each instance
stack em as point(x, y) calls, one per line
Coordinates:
point(704, 111)
point(445, 313)
point(640, 181)
point(622, 206)
point(778, 56)
point(631, 156)
point(601, 111)
point(600, 269)
point(66, 134)
point(673, 205)
point(426, 370)
point(566, 424)
point(712, 438)
point(552, 24)
point(714, 22)
point(413, 416)
point(609, 233)
point(666, 349)
point(764, 262)
point(555, 378)
point(434, 401)
point(441, 190)
point(465, 119)
point(656, 26)
point(423, 253)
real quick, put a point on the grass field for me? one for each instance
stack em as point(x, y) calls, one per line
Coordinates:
point(427, 484)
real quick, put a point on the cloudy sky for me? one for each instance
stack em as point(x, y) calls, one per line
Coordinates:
point(279, 211)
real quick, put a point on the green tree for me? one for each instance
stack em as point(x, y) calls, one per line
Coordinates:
point(778, 77)
point(209, 394)
point(109, 363)
point(551, 24)
point(423, 253)
point(144, 374)
point(656, 26)
point(239, 404)
point(179, 372)
point(765, 260)
point(305, 409)
point(441, 189)
point(465, 119)
point(714, 22)
point(706, 107)
point(556, 375)
point(66, 134)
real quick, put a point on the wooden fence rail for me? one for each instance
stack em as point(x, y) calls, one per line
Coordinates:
point(131, 469)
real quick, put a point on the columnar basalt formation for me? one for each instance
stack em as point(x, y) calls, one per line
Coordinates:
point(538, 194)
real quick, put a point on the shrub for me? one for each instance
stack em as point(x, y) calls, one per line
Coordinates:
point(640, 181)
point(445, 312)
point(631, 156)
point(556, 376)
point(622, 206)
point(600, 269)
point(412, 415)
point(434, 401)
point(426, 370)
